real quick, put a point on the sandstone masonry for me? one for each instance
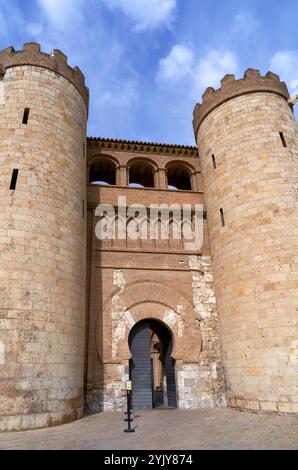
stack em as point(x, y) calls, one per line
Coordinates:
point(249, 128)
point(69, 301)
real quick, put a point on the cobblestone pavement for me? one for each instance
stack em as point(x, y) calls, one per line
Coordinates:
point(165, 429)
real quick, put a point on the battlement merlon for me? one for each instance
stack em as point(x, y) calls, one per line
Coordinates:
point(57, 62)
point(230, 88)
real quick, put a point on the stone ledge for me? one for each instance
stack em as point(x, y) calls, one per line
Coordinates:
point(263, 406)
point(142, 147)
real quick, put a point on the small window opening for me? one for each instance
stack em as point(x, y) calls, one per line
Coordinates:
point(214, 162)
point(14, 179)
point(179, 177)
point(222, 216)
point(26, 115)
point(141, 175)
point(283, 139)
point(103, 172)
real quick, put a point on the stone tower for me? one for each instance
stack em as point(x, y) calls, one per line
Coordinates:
point(43, 114)
point(248, 144)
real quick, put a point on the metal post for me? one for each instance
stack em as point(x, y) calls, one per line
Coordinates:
point(129, 418)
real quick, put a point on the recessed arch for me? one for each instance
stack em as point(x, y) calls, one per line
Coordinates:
point(100, 156)
point(154, 320)
point(152, 369)
point(141, 173)
point(179, 175)
point(103, 170)
point(169, 306)
point(142, 159)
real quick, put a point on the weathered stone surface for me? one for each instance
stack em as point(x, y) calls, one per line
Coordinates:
point(232, 316)
point(42, 248)
point(252, 82)
point(255, 253)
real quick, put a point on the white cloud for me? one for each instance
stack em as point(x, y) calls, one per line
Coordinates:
point(180, 64)
point(34, 29)
point(62, 12)
point(189, 76)
point(11, 20)
point(213, 67)
point(146, 14)
point(285, 63)
point(183, 77)
point(294, 86)
point(245, 25)
point(176, 65)
point(126, 98)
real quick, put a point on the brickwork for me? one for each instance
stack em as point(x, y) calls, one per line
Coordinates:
point(255, 254)
point(69, 301)
point(134, 280)
point(42, 246)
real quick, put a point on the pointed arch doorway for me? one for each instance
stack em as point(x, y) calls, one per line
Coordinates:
point(151, 367)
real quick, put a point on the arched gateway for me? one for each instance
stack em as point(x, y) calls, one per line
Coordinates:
point(151, 367)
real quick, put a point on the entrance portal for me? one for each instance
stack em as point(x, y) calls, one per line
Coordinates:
point(152, 370)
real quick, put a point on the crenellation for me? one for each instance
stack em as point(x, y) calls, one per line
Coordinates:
point(59, 56)
point(272, 76)
point(227, 79)
point(31, 55)
point(253, 73)
point(207, 95)
point(33, 221)
point(31, 46)
point(231, 88)
point(253, 285)
point(220, 317)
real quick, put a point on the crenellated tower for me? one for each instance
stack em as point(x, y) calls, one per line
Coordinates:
point(247, 177)
point(43, 115)
point(248, 144)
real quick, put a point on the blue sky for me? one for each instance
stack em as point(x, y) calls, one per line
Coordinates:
point(147, 62)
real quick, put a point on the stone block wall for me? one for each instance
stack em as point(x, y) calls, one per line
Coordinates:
point(42, 248)
point(254, 241)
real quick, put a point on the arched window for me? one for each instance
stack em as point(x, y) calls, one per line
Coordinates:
point(179, 177)
point(141, 174)
point(103, 172)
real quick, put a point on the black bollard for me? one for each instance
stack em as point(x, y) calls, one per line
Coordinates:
point(129, 419)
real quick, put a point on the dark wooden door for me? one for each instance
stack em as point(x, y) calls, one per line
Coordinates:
point(140, 367)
